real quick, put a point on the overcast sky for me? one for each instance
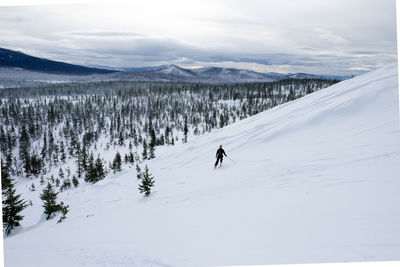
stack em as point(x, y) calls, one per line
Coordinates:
point(315, 36)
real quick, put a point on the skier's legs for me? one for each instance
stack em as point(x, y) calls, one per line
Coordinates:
point(218, 159)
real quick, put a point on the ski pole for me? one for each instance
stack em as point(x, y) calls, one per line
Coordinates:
point(232, 160)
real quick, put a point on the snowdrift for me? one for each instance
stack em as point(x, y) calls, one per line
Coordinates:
point(313, 180)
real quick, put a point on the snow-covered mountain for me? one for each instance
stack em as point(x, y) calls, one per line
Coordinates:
point(210, 75)
point(302, 76)
point(19, 69)
point(175, 70)
point(206, 75)
point(233, 75)
point(312, 180)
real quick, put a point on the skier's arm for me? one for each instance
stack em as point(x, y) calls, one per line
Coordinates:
point(225, 153)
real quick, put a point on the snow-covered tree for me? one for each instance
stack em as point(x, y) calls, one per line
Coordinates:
point(117, 163)
point(147, 182)
point(49, 198)
point(13, 204)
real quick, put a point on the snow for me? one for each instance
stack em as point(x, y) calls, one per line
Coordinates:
point(175, 70)
point(313, 180)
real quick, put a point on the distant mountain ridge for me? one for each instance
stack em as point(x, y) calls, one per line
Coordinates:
point(212, 75)
point(15, 59)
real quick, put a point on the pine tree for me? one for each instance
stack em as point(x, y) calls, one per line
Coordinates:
point(99, 166)
point(91, 176)
point(166, 134)
point(50, 205)
point(138, 172)
point(144, 153)
point(36, 165)
point(153, 141)
point(130, 146)
point(55, 155)
point(84, 159)
point(61, 173)
point(65, 185)
point(131, 157)
point(147, 182)
point(117, 163)
point(43, 153)
point(68, 171)
point(185, 130)
point(32, 188)
point(62, 151)
point(221, 121)
point(13, 204)
point(79, 167)
point(27, 165)
point(135, 138)
point(75, 181)
point(24, 143)
point(152, 150)
point(64, 209)
point(41, 180)
point(121, 138)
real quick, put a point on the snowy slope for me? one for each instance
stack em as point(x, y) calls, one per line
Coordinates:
point(175, 70)
point(313, 180)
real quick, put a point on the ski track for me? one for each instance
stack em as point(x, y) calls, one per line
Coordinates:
point(313, 180)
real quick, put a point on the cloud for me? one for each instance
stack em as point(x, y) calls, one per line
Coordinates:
point(331, 37)
point(322, 37)
point(102, 34)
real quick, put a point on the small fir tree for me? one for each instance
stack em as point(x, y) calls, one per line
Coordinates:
point(152, 143)
point(13, 204)
point(147, 182)
point(49, 198)
point(91, 171)
point(68, 171)
point(65, 185)
point(62, 151)
point(75, 181)
point(36, 165)
point(144, 153)
point(100, 171)
point(117, 163)
point(61, 173)
point(131, 158)
point(32, 188)
point(185, 130)
point(138, 172)
point(64, 209)
point(41, 180)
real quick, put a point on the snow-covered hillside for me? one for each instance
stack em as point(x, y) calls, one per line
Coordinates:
point(313, 180)
point(229, 75)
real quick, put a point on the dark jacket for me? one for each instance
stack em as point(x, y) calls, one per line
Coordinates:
point(220, 153)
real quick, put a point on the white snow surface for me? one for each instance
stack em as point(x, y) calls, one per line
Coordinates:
point(313, 180)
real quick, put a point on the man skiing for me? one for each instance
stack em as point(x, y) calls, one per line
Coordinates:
point(220, 156)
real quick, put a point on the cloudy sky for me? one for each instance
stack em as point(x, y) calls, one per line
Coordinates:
point(339, 37)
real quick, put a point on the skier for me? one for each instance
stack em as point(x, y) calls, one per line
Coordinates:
point(220, 156)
